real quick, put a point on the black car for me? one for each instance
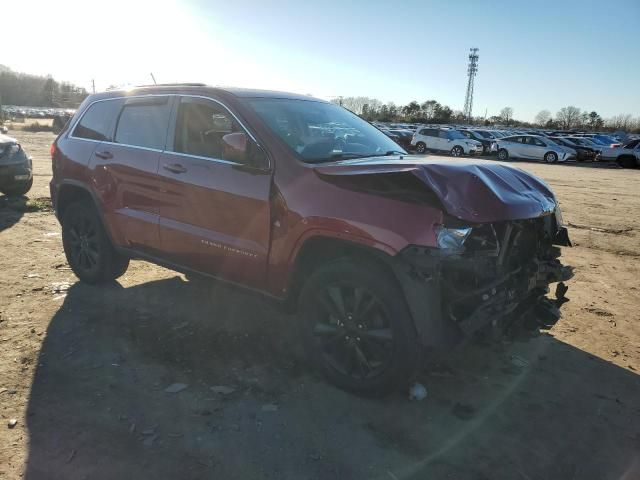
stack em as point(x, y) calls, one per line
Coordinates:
point(584, 152)
point(487, 143)
point(16, 174)
point(402, 137)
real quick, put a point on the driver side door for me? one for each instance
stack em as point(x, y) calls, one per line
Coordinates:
point(214, 217)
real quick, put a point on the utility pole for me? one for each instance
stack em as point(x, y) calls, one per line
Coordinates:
point(472, 69)
point(93, 85)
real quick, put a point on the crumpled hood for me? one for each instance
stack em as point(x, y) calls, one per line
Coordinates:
point(478, 191)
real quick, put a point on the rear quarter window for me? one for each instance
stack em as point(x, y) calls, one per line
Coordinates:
point(96, 123)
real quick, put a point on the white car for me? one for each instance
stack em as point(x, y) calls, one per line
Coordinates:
point(629, 155)
point(534, 147)
point(445, 140)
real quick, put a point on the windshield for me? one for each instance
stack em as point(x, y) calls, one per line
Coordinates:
point(320, 132)
point(455, 134)
point(484, 134)
point(605, 140)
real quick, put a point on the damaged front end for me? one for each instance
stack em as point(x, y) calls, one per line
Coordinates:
point(485, 275)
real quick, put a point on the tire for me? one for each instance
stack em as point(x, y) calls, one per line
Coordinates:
point(551, 157)
point(457, 151)
point(89, 251)
point(503, 154)
point(421, 147)
point(18, 189)
point(371, 350)
point(626, 161)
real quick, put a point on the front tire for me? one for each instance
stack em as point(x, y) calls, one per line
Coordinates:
point(503, 154)
point(421, 147)
point(357, 327)
point(457, 151)
point(89, 251)
point(551, 157)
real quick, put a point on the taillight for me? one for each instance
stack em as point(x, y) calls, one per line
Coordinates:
point(53, 149)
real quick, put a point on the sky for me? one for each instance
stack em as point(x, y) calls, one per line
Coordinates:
point(534, 55)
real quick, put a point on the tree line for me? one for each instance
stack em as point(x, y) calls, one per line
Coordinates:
point(36, 91)
point(431, 111)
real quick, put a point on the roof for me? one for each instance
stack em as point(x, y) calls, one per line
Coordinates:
point(201, 87)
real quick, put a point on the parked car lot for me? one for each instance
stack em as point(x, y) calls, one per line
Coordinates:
point(98, 361)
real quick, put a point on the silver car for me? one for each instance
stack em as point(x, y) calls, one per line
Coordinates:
point(534, 147)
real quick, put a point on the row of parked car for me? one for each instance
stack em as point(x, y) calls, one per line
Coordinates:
point(550, 146)
point(14, 111)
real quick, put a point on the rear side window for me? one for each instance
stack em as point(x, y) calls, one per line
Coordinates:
point(144, 123)
point(96, 123)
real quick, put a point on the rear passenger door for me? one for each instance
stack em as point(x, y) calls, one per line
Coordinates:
point(126, 171)
point(214, 214)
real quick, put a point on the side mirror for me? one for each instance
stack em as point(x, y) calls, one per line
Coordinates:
point(235, 145)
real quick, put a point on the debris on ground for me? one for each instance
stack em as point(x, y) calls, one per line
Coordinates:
point(417, 392)
point(223, 389)
point(12, 423)
point(60, 287)
point(176, 387)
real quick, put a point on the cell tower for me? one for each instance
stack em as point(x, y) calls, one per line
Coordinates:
point(472, 69)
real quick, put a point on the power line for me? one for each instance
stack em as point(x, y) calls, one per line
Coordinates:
point(472, 69)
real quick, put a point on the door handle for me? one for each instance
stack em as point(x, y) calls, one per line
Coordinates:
point(105, 155)
point(174, 167)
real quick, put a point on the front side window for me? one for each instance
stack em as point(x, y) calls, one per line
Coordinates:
point(201, 126)
point(143, 123)
point(96, 123)
point(321, 132)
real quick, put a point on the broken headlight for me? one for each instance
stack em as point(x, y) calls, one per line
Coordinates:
point(451, 238)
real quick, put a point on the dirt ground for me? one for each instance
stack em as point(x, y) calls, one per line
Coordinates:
point(84, 370)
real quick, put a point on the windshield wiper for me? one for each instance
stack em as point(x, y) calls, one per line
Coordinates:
point(393, 152)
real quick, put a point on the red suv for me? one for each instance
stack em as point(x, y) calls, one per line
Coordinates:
point(383, 255)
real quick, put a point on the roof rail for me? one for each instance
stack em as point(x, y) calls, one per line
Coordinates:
point(188, 84)
point(126, 87)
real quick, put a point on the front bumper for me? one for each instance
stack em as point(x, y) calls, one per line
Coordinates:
point(454, 295)
point(14, 173)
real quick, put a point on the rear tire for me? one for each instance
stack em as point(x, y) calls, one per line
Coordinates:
point(503, 154)
point(357, 328)
point(18, 189)
point(89, 251)
point(457, 151)
point(421, 147)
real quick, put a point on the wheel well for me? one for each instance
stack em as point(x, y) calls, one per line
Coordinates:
point(319, 251)
point(69, 194)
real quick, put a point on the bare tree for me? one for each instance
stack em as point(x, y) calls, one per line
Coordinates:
point(543, 117)
point(568, 117)
point(506, 114)
point(620, 122)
